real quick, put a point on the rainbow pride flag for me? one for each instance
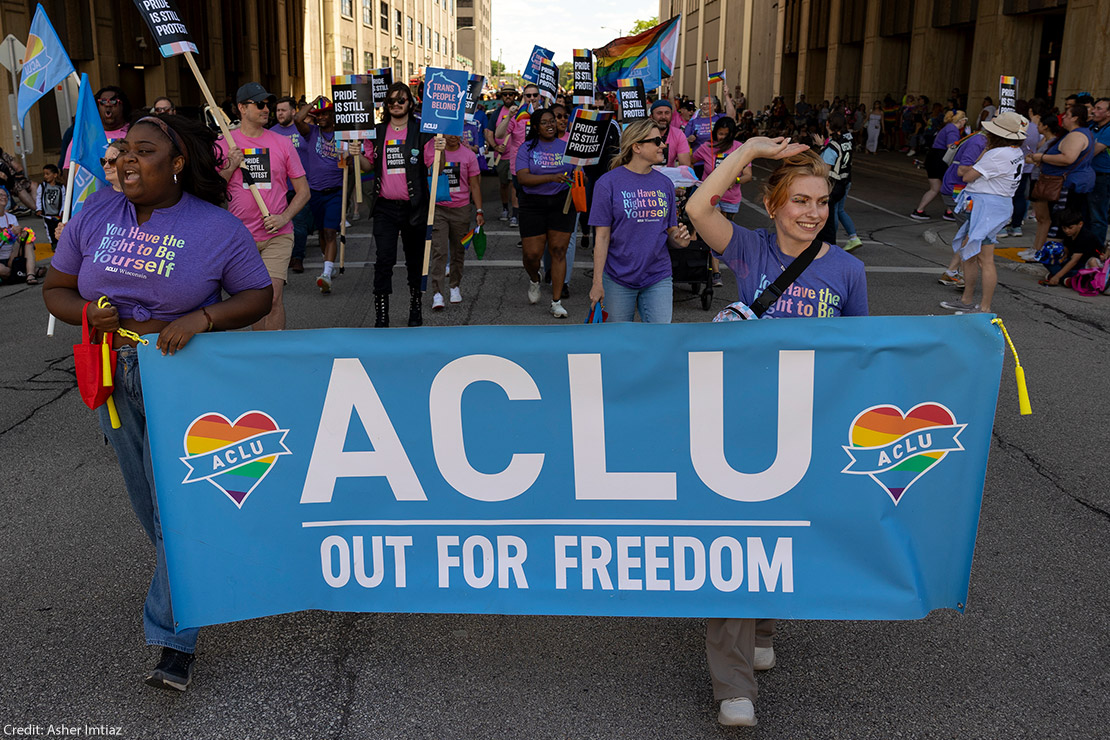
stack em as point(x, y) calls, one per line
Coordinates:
point(466, 240)
point(1004, 80)
point(649, 55)
point(717, 77)
point(525, 112)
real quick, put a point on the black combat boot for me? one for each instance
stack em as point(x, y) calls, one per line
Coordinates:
point(381, 310)
point(416, 307)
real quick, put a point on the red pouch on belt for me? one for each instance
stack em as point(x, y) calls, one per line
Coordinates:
point(89, 362)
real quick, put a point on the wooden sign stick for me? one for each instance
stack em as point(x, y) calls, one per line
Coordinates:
point(431, 216)
point(343, 222)
point(224, 129)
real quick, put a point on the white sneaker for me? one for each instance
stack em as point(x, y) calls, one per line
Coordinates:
point(437, 302)
point(557, 310)
point(764, 658)
point(739, 712)
point(456, 295)
point(324, 283)
point(514, 222)
point(504, 214)
point(533, 292)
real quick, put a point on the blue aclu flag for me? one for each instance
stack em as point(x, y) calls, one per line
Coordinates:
point(814, 469)
point(44, 65)
point(89, 143)
point(443, 109)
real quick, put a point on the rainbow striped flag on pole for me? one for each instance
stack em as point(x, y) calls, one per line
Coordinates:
point(716, 77)
point(649, 56)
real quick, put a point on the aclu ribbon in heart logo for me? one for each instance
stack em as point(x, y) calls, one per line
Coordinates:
point(895, 449)
point(234, 456)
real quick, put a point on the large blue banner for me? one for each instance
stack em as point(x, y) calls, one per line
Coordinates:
point(830, 468)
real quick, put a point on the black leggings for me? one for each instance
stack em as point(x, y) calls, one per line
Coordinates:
point(392, 219)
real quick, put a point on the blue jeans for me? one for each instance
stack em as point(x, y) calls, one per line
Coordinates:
point(655, 302)
point(840, 215)
point(1099, 202)
point(1021, 201)
point(132, 446)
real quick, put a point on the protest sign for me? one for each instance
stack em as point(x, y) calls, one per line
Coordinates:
point(353, 98)
point(1007, 93)
point(586, 137)
point(632, 98)
point(473, 93)
point(383, 78)
point(164, 21)
point(815, 469)
point(532, 70)
point(548, 81)
point(583, 77)
point(444, 101)
point(256, 161)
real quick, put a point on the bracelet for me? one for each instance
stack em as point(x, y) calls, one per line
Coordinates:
point(479, 210)
point(204, 310)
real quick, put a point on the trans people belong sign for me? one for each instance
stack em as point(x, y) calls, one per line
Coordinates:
point(805, 469)
point(443, 108)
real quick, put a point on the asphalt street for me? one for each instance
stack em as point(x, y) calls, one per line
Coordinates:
point(1028, 659)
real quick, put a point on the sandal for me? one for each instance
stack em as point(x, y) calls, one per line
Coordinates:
point(32, 280)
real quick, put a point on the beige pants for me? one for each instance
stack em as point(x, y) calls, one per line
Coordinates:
point(451, 225)
point(730, 650)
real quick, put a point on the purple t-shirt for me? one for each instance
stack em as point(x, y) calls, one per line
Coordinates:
point(545, 159)
point(175, 263)
point(832, 285)
point(321, 160)
point(968, 153)
point(701, 128)
point(948, 136)
point(292, 133)
point(638, 209)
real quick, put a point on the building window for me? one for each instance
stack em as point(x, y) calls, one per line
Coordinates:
point(348, 60)
point(397, 71)
point(419, 33)
point(368, 60)
point(397, 23)
point(466, 20)
point(385, 15)
point(347, 8)
point(408, 28)
point(368, 12)
point(410, 69)
point(437, 42)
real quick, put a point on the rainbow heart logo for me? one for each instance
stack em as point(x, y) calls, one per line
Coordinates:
point(234, 456)
point(895, 448)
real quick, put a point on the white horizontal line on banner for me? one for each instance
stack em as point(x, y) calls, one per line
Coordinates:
point(557, 523)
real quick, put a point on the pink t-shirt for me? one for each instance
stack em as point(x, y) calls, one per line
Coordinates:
point(676, 144)
point(395, 186)
point(712, 158)
point(272, 161)
point(517, 131)
point(461, 165)
point(500, 117)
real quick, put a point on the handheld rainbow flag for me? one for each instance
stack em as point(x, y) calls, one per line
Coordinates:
point(525, 112)
point(44, 65)
point(717, 77)
point(649, 56)
point(466, 240)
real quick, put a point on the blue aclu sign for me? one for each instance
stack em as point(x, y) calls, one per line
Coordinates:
point(443, 108)
point(804, 469)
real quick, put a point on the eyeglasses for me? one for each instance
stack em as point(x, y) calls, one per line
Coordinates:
point(658, 141)
point(109, 102)
point(260, 104)
point(163, 110)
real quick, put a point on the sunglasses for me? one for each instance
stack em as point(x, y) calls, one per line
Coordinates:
point(108, 162)
point(531, 95)
point(658, 141)
point(109, 102)
point(397, 101)
point(162, 110)
point(260, 104)
point(560, 117)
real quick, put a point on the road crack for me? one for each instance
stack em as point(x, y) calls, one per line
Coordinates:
point(1041, 470)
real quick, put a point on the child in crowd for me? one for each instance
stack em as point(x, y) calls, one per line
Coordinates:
point(49, 201)
point(1083, 248)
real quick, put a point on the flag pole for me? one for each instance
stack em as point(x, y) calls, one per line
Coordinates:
point(67, 209)
point(225, 130)
point(343, 216)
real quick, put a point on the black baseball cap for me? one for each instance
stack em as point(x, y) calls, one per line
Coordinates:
point(252, 91)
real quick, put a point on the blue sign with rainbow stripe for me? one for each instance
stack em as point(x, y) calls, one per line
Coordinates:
point(818, 469)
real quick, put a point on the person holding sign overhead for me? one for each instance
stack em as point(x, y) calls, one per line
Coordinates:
point(271, 160)
point(544, 180)
point(399, 203)
point(452, 219)
point(316, 123)
point(633, 212)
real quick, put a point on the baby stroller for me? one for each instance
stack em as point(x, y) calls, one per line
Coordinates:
point(693, 264)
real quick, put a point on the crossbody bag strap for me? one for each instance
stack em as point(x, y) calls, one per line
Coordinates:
point(772, 292)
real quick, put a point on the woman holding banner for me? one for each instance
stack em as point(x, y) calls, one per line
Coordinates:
point(544, 181)
point(796, 196)
point(172, 195)
point(632, 268)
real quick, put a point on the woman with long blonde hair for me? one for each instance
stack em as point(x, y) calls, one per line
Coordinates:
point(634, 216)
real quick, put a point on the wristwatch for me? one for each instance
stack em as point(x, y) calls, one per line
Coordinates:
point(478, 210)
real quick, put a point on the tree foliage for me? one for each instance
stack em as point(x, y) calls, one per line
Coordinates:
point(641, 26)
